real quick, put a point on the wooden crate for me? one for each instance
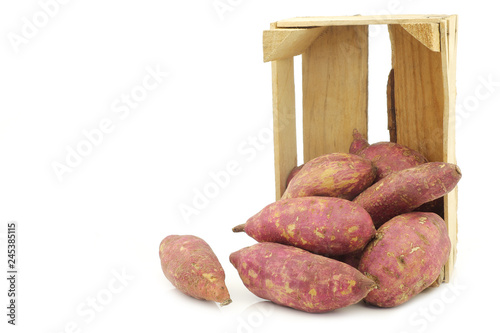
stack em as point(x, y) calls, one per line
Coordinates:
point(420, 91)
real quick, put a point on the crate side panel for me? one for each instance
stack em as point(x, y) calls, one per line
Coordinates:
point(284, 127)
point(448, 41)
point(418, 94)
point(335, 90)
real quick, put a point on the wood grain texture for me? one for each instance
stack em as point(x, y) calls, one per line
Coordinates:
point(319, 21)
point(449, 55)
point(418, 94)
point(426, 33)
point(284, 126)
point(286, 43)
point(335, 90)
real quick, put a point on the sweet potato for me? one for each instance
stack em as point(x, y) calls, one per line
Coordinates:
point(358, 143)
point(405, 257)
point(391, 157)
point(292, 173)
point(299, 279)
point(388, 157)
point(335, 175)
point(322, 225)
point(403, 191)
point(191, 266)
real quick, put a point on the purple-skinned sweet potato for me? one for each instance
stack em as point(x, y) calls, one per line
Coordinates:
point(388, 157)
point(403, 191)
point(299, 279)
point(405, 257)
point(191, 266)
point(358, 143)
point(322, 225)
point(292, 173)
point(334, 175)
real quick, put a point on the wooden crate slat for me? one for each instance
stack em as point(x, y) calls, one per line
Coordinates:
point(286, 43)
point(449, 73)
point(319, 21)
point(335, 90)
point(418, 94)
point(284, 126)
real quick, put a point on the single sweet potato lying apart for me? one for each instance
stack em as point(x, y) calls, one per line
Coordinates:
point(405, 257)
point(403, 191)
point(299, 279)
point(322, 225)
point(334, 175)
point(191, 266)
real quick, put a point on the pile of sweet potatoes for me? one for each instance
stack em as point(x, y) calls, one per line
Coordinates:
point(363, 225)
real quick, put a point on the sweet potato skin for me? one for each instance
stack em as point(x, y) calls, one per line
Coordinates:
point(299, 279)
point(388, 157)
point(292, 173)
point(322, 225)
point(403, 191)
point(391, 157)
point(338, 175)
point(405, 257)
point(191, 266)
point(358, 143)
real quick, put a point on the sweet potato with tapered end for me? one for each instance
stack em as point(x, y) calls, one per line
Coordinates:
point(358, 143)
point(388, 157)
point(292, 173)
point(406, 257)
point(334, 175)
point(403, 191)
point(323, 225)
point(191, 266)
point(299, 279)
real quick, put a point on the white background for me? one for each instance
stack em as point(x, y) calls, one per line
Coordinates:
point(105, 216)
